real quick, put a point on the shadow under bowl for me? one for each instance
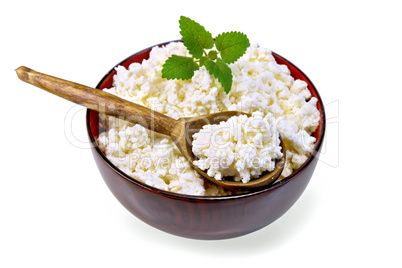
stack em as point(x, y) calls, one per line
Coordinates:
point(204, 217)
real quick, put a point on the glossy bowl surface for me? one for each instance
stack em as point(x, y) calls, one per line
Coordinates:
point(204, 217)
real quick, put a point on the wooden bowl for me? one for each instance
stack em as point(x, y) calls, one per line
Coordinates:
point(204, 217)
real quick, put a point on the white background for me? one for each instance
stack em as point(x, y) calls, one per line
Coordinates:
point(55, 209)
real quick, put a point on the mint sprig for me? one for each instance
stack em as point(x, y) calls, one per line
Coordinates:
point(230, 46)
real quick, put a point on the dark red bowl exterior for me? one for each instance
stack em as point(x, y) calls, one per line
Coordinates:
point(205, 217)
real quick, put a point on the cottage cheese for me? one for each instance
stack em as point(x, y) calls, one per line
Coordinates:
point(241, 147)
point(259, 84)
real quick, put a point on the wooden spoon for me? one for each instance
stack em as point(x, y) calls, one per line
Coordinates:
point(181, 130)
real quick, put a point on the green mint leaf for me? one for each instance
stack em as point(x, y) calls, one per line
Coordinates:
point(179, 67)
point(231, 45)
point(212, 55)
point(202, 60)
point(221, 71)
point(195, 37)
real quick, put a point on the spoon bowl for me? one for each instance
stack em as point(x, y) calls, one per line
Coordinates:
point(191, 125)
point(181, 130)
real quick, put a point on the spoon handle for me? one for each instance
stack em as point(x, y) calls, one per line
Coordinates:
point(98, 100)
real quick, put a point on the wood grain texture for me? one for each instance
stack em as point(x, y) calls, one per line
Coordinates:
point(98, 100)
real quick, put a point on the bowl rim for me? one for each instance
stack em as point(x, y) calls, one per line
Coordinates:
point(174, 195)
